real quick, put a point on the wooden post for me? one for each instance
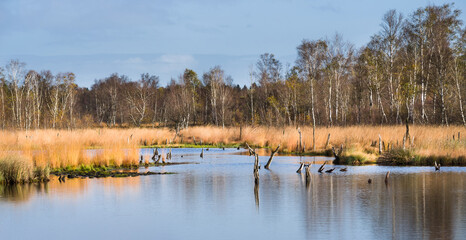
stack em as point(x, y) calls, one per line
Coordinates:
point(271, 157)
point(194, 140)
point(386, 177)
point(202, 153)
point(380, 144)
point(328, 141)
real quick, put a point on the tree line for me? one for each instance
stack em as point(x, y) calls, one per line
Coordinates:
point(412, 70)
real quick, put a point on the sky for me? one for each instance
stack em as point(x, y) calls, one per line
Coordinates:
point(95, 38)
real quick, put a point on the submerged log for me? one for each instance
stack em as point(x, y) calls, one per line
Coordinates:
point(271, 157)
point(330, 170)
point(344, 169)
point(202, 153)
point(300, 168)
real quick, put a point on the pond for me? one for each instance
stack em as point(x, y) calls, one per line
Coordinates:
point(216, 198)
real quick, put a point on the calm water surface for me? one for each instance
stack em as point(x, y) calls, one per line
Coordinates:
point(215, 198)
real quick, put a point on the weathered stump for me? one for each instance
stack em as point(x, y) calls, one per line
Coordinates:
point(271, 157)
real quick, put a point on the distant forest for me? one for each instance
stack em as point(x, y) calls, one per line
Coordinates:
point(412, 70)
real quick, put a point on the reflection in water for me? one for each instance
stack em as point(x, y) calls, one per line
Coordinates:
point(20, 192)
point(213, 200)
point(256, 194)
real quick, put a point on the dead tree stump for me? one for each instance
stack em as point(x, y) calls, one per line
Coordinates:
point(322, 167)
point(300, 168)
point(337, 155)
point(271, 157)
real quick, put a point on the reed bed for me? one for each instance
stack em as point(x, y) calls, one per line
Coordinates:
point(120, 147)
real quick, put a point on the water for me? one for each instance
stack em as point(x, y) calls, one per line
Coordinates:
point(215, 198)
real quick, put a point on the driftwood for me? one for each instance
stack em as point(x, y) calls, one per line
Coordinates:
point(386, 177)
point(337, 155)
point(202, 153)
point(322, 167)
point(271, 157)
point(300, 168)
point(437, 166)
point(344, 169)
point(330, 170)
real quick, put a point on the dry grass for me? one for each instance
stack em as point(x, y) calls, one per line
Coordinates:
point(15, 169)
point(119, 147)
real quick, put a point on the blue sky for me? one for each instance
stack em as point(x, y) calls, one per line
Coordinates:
point(94, 38)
